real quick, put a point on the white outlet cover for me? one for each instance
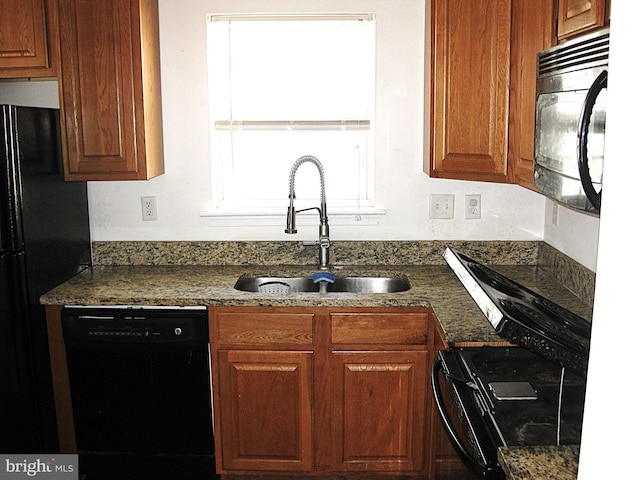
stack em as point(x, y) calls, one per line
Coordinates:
point(472, 206)
point(149, 208)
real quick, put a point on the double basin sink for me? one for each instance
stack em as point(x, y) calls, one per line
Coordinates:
point(340, 284)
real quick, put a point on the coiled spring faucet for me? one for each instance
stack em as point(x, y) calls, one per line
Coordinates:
point(323, 241)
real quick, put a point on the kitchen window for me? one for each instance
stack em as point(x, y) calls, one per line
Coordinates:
point(284, 86)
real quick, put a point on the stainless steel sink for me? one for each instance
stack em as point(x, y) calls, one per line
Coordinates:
point(347, 284)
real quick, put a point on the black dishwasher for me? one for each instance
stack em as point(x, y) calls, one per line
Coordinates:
point(141, 391)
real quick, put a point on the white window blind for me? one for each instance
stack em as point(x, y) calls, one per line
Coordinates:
point(284, 86)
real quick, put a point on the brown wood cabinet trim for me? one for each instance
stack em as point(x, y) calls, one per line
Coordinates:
point(60, 379)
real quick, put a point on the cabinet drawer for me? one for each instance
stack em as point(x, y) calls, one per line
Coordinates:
point(379, 328)
point(264, 328)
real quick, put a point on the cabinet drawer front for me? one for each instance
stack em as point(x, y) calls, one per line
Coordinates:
point(379, 328)
point(264, 328)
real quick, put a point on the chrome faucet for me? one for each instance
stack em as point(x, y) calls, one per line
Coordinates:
point(323, 241)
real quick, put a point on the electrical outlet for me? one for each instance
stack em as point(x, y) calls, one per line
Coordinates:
point(471, 206)
point(149, 208)
point(441, 206)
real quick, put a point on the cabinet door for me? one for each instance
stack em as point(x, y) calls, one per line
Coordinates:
point(470, 89)
point(532, 32)
point(25, 36)
point(378, 410)
point(265, 410)
point(111, 89)
point(579, 16)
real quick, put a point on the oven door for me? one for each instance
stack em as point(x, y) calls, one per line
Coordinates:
point(463, 414)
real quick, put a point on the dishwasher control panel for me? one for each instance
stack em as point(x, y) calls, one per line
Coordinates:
point(135, 325)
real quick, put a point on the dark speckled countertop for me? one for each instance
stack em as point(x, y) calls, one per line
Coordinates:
point(432, 286)
point(540, 463)
point(201, 273)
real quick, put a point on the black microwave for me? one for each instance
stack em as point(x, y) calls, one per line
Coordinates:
point(571, 106)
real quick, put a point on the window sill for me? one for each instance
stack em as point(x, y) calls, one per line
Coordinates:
point(268, 218)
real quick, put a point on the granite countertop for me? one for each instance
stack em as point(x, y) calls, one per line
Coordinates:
point(432, 286)
point(540, 463)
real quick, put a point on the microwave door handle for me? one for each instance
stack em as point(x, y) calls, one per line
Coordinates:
point(598, 85)
point(460, 448)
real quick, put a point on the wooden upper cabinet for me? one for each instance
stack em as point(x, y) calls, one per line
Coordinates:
point(580, 16)
point(28, 38)
point(532, 31)
point(470, 89)
point(111, 102)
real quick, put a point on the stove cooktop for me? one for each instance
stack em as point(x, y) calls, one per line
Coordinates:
point(524, 317)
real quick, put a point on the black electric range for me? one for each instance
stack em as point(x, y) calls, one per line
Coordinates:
point(529, 394)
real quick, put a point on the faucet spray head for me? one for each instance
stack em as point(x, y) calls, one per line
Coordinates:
point(291, 218)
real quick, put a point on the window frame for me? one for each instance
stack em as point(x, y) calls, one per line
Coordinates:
point(361, 211)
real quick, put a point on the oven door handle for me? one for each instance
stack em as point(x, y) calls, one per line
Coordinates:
point(599, 84)
point(459, 447)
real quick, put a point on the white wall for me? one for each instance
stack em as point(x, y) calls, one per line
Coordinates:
point(611, 418)
point(572, 232)
point(32, 94)
point(509, 212)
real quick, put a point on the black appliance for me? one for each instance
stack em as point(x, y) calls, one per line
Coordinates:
point(140, 383)
point(44, 240)
point(530, 394)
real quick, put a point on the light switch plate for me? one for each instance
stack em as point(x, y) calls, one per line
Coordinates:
point(441, 206)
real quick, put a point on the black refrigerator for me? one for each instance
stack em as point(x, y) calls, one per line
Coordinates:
point(44, 240)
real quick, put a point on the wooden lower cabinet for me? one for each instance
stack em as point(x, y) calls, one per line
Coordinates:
point(265, 410)
point(318, 391)
point(378, 418)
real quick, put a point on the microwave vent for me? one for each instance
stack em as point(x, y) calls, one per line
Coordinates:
point(586, 52)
